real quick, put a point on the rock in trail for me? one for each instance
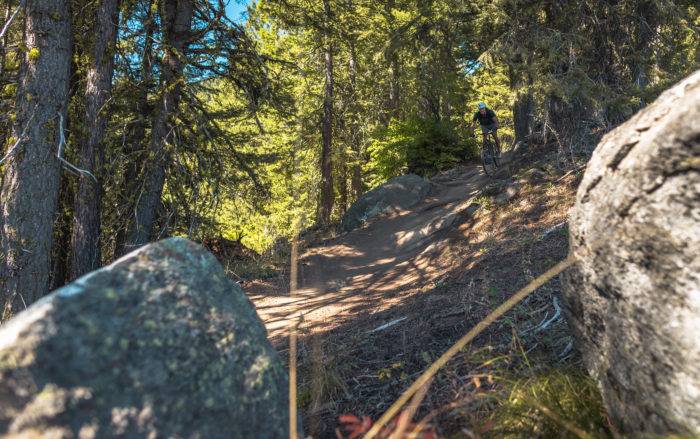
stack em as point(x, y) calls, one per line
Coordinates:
point(159, 344)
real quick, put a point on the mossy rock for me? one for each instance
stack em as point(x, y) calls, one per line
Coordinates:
point(398, 193)
point(159, 344)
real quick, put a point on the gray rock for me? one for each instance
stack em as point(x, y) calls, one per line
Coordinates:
point(159, 344)
point(398, 193)
point(492, 189)
point(634, 295)
point(509, 192)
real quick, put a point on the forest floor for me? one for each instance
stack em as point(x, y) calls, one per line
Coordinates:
point(382, 302)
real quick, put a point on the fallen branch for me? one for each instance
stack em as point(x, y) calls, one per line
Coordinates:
point(569, 347)
point(556, 315)
point(569, 173)
point(61, 144)
point(387, 325)
point(553, 229)
point(12, 17)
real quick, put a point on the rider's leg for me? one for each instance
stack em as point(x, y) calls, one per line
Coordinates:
point(498, 142)
point(484, 133)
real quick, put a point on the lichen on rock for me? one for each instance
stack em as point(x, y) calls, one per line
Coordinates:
point(159, 343)
point(633, 296)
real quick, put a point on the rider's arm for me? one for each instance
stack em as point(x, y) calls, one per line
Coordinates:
point(495, 122)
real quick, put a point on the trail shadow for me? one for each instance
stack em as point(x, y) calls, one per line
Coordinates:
point(439, 285)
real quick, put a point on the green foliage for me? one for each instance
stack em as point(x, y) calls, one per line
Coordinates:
point(491, 86)
point(33, 54)
point(415, 145)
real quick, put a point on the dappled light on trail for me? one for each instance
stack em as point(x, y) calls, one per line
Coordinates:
point(352, 274)
point(376, 313)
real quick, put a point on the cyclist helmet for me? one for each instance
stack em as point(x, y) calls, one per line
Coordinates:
point(481, 105)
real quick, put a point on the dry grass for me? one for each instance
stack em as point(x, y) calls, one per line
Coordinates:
point(561, 402)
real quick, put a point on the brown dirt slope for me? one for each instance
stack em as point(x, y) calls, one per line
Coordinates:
point(382, 302)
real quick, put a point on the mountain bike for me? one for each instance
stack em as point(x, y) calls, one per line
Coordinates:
point(490, 155)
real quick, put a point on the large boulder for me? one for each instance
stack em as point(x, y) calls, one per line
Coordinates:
point(160, 344)
point(634, 294)
point(398, 193)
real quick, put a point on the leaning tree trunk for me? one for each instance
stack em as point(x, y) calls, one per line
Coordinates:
point(85, 241)
point(327, 195)
point(177, 22)
point(633, 296)
point(30, 186)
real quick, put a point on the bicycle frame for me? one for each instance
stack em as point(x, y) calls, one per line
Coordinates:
point(489, 153)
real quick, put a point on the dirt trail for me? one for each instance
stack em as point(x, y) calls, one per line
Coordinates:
point(359, 272)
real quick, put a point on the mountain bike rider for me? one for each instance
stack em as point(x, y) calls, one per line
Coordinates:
point(488, 121)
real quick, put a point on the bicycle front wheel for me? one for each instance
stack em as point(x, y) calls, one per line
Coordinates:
point(488, 160)
point(496, 156)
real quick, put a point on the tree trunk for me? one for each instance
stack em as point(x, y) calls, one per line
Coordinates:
point(394, 87)
point(30, 186)
point(327, 195)
point(343, 189)
point(85, 240)
point(523, 107)
point(392, 59)
point(63, 223)
point(522, 115)
point(60, 255)
point(177, 23)
point(4, 128)
point(137, 137)
point(356, 170)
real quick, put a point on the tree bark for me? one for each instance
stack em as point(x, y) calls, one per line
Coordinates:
point(4, 128)
point(85, 241)
point(522, 115)
point(30, 186)
point(523, 107)
point(356, 170)
point(61, 253)
point(343, 189)
point(177, 22)
point(394, 87)
point(327, 195)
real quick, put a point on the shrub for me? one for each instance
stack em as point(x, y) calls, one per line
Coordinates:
point(419, 146)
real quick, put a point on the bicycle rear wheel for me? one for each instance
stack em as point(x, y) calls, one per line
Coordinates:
point(496, 155)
